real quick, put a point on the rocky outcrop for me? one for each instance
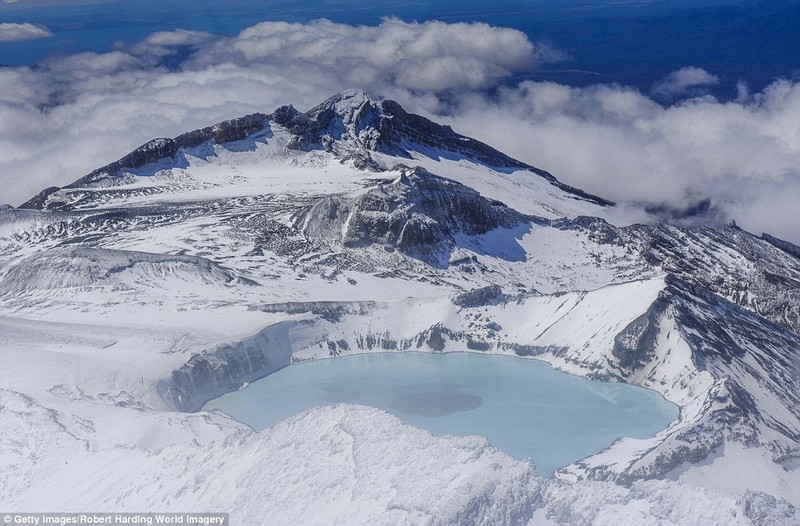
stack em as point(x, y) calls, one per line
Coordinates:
point(729, 262)
point(760, 274)
point(732, 344)
point(489, 295)
point(419, 214)
point(331, 311)
point(352, 116)
point(789, 248)
point(635, 345)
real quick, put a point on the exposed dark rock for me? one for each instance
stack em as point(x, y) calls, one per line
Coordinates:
point(727, 341)
point(635, 345)
point(435, 339)
point(490, 295)
point(419, 214)
point(39, 201)
point(303, 129)
point(388, 128)
point(599, 230)
point(399, 126)
point(729, 262)
point(332, 311)
point(765, 510)
point(476, 345)
point(228, 367)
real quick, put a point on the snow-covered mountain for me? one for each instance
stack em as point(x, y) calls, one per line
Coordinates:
point(197, 264)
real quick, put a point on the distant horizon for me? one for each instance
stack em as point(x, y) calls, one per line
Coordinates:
point(593, 35)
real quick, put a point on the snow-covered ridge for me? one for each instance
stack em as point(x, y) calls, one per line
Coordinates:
point(157, 151)
point(350, 123)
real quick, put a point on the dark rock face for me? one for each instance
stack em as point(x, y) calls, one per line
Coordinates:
point(39, 201)
point(763, 509)
point(304, 130)
point(635, 345)
point(398, 126)
point(753, 364)
point(435, 338)
point(158, 149)
point(597, 229)
point(727, 339)
point(332, 311)
point(421, 215)
point(735, 346)
point(350, 115)
point(761, 275)
point(491, 295)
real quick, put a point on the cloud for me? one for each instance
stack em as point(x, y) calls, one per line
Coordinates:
point(743, 156)
point(69, 115)
point(430, 56)
point(684, 81)
point(10, 32)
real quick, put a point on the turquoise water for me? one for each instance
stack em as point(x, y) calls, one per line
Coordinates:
point(524, 407)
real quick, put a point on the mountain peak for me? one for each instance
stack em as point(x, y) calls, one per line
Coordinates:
point(348, 117)
point(351, 124)
point(347, 104)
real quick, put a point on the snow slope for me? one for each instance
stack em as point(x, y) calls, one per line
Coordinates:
point(346, 465)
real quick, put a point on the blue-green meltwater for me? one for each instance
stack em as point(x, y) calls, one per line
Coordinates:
point(525, 407)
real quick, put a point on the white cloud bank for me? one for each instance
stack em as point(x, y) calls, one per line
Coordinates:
point(684, 81)
point(10, 32)
point(432, 56)
point(71, 115)
point(744, 156)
